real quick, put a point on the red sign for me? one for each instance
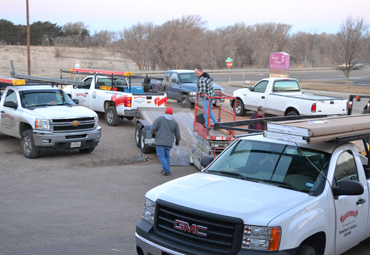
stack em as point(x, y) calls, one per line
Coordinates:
point(229, 64)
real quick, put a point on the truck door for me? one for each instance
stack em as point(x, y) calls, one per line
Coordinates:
point(257, 96)
point(83, 93)
point(351, 211)
point(9, 123)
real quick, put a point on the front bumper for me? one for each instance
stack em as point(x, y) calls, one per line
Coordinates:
point(147, 242)
point(46, 140)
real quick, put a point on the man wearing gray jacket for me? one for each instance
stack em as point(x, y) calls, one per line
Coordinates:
point(165, 129)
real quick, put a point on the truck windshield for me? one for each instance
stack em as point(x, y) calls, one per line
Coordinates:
point(274, 164)
point(188, 78)
point(35, 98)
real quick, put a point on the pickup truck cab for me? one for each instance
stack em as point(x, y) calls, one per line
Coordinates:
point(263, 196)
point(45, 118)
point(285, 97)
point(181, 85)
point(111, 95)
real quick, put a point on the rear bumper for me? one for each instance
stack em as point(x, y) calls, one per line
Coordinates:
point(45, 140)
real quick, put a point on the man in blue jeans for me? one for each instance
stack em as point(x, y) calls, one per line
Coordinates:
point(205, 86)
point(165, 129)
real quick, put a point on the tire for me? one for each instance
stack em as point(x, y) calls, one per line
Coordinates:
point(185, 103)
point(292, 113)
point(240, 111)
point(306, 250)
point(137, 136)
point(111, 117)
point(144, 147)
point(88, 150)
point(28, 145)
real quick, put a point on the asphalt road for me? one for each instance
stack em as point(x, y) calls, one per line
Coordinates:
point(72, 203)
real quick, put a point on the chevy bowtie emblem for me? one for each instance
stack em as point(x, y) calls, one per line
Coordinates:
point(75, 123)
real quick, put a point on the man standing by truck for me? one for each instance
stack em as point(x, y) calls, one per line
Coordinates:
point(205, 86)
point(164, 130)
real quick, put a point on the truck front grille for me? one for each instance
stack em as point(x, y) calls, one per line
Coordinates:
point(73, 124)
point(212, 233)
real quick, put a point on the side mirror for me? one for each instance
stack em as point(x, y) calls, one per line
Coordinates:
point(76, 101)
point(348, 188)
point(206, 160)
point(75, 86)
point(251, 88)
point(11, 104)
point(174, 80)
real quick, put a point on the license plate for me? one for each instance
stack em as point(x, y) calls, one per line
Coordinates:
point(149, 141)
point(75, 144)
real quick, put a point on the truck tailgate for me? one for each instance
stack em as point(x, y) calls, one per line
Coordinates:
point(331, 106)
point(155, 100)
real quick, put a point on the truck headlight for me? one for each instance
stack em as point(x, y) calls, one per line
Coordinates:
point(42, 124)
point(192, 94)
point(149, 211)
point(96, 119)
point(261, 238)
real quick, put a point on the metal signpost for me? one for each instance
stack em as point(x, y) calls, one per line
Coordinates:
point(229, 62)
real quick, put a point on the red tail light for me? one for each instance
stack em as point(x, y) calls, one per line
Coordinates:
point(313, 108)
point(128, 101)
point(165, 104)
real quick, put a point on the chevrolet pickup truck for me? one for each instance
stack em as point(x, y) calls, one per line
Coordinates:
point(284, 97)
point(111, 95)
point(45, 118)
point(180, 85)
point(268, 196)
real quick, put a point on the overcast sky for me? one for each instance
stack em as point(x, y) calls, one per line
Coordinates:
point(314, 16)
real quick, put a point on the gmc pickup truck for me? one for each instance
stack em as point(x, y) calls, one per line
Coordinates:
point(45, 118)
point(180, 85)
point(284, 97)
point(111, 95)
point(268, 196)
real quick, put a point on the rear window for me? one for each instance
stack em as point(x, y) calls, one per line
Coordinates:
point(286, 86)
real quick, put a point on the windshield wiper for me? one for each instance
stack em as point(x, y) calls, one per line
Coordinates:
point(227, 173)
point(282, 183)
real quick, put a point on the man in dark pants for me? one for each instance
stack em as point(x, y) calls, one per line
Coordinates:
point(164, 130)
point(260, 114)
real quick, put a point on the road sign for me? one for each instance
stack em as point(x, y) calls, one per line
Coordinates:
point(229, 64)
point(229, 60)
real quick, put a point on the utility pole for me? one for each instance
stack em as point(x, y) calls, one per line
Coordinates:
point(28, 42)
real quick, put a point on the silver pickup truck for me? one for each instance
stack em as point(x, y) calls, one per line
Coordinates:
point(46, 118)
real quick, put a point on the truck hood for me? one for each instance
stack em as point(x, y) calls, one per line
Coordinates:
point(254, 203)
point(49, 112)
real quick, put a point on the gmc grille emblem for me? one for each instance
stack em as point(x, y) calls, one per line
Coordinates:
point(194, 229)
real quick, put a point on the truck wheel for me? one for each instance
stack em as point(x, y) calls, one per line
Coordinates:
point(292, 113)
point(111, 117)
point(88, 150)
point(137, 136)
point(144, 147)
point(240, 111)
point(185, 103)
point(306, 250)
point(28, 145)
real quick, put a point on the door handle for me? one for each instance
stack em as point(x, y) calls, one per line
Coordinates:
point(86, 93)
point(263, 97)
point(2, 111)
point(360, 201)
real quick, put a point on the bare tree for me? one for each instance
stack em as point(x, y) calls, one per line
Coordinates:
point(102, 38)
point(349, 43)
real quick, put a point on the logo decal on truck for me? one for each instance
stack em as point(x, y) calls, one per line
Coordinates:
point(5, 115)
point(159, 101)
point(120, 100)
point(81, 95)
point(348, 214)
point(194, 229)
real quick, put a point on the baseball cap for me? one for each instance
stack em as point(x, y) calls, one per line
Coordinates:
point(260, 109)
point(169, 110)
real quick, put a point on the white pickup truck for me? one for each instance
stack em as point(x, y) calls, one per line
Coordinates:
point(45, 118)
point(284, 97)
point(266, 196)
point(111, 95)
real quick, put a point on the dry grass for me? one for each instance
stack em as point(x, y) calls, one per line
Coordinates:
point(335, 86)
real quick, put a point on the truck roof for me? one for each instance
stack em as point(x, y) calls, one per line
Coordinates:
point(327, 147)
point(181, 71)
point(39, 87)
